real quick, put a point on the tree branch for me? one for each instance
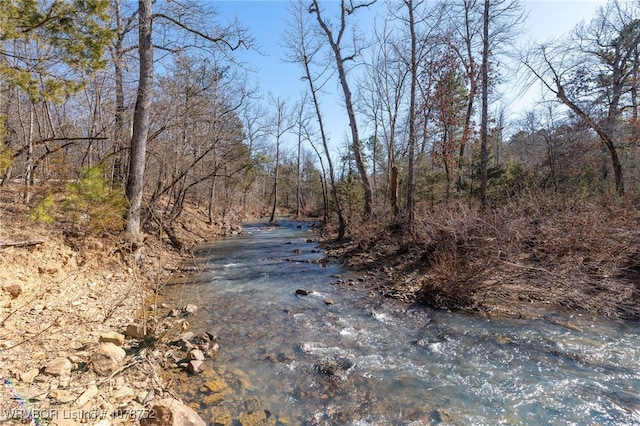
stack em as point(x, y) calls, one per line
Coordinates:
point(222, 39)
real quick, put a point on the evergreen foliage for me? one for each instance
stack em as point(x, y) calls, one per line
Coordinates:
point(47, 49)
point(92, 202)
point(44, 211)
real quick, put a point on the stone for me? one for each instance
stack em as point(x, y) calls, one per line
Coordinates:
point(47, 270)
point(123, 392)
point(189, 309)
point(115, 338)
point(14, 288)
point(134, 330)
point(145, 396)
point(301, 292)
point(86, 396)
point(62, 396)
point(334, 366)
point(107, 359)
point(196, 354)
point(170, 412)
point(58, 367)
point(195, 366)
point(209, 349)
point(29, 376)
point(186, 336)
point(329, 301)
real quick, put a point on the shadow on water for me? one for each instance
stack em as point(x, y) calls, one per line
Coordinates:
point(286, 358)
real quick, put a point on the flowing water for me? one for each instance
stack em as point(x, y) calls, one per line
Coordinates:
point(344, 356)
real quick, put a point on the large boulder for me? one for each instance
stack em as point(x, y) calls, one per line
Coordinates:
point(171, 412)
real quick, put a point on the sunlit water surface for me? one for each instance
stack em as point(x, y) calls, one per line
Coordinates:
point(364, 360)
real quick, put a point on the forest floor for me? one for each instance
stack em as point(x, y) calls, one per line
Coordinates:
point(71, 305)
point(525, 259)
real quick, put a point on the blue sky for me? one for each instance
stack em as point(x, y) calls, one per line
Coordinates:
point(266, 21)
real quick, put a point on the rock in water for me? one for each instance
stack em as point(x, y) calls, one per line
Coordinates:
point(189, 309)
point(195, 366)
point(170, 412)
point(107, 359)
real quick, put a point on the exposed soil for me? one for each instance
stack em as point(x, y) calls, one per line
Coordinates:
point(62, 294)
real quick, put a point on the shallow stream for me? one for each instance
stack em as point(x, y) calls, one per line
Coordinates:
point(341, 355)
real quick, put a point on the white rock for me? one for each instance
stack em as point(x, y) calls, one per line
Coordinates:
point(28, 376)
point(123, 392)
point(86, 396)
point(196, 354)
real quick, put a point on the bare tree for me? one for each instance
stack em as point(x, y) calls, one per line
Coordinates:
point(280, 127)
point(138, 151)
point(335, 41)
point(594, 74)
point(301, 50)
point(484, 117)
point(383, 89)
point(500, 19)
point(189, 20)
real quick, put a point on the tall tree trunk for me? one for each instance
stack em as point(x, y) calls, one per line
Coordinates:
point(28, 176)
point(298, 178)
point(212, 197)
point(137, 153)
point(342, 224)
point(473, 89)
point(484, 122)
point(344, 84)
point(413, 69)
point(355, 138)
point(272, 218)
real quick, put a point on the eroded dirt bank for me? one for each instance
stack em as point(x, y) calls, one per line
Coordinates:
point(73, 310)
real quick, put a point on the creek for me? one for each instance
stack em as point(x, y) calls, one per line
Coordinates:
point(342, 355)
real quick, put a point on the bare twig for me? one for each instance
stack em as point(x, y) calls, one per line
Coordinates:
point(26, 243)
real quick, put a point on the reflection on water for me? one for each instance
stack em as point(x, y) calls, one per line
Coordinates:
point(369, 361)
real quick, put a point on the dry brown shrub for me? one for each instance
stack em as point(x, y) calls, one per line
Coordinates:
point(580, 254)
point(564, 253)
